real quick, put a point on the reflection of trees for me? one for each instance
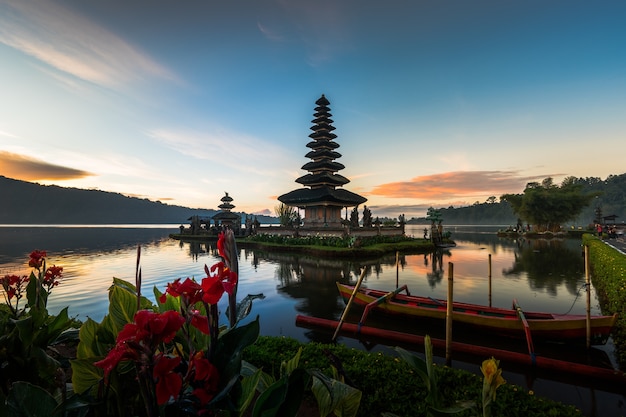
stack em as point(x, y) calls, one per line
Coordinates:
point(312, 280)
point(436, 261)
point(548, 264)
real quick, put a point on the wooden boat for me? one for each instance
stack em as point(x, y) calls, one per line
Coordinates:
point(610, 379)
point(496, 321)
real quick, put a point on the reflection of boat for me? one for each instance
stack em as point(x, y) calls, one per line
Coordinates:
point(500, 321)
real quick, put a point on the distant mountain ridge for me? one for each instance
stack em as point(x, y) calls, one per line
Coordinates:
point(23, 202)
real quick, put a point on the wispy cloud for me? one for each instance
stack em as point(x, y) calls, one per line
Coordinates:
point(224, 147)
point(75, 45)
point(7, 134)
point(30, 169)
point(460, 184)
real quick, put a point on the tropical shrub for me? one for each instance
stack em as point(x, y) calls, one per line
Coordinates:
point(28, 331)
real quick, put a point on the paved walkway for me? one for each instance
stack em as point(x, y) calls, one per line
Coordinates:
point(619, 244)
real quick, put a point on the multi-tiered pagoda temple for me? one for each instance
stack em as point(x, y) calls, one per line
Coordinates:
point(321, 198)
point(225, 217)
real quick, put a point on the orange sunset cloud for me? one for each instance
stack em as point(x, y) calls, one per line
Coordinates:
point(457, 184)
point(30, 169)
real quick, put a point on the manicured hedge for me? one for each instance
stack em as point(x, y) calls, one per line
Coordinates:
point(389, 385)
point(608, 276)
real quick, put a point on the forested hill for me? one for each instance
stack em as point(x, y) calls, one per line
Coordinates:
point(23, 202)
point(483, 214)
point(611, 200)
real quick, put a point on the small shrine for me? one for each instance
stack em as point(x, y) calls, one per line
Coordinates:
point(225, 218)
point(322, 197)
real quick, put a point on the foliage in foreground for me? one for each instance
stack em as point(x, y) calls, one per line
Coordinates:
point(609, 279)
point(27, 330)
point(389, 385)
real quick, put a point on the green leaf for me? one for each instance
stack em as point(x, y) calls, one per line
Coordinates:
point(247, 369)
point(28, 400)
point(270, 401)
point(287, 367)
point(125, 285)
point(46, 364)
point(85, 375)
point(33, 289)
point(25, 328)
point(230, 346)
point(122, 307)
point(248, 390)
point(416, 363)
point(87, 335)
point(299, 380)
point(334, 396)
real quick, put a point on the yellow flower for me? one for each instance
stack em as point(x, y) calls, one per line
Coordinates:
point(493, 377)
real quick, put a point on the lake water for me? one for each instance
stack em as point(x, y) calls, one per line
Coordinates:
point(541, 275)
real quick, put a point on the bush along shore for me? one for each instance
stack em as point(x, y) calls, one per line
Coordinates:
point(608, 275)
point(173, 357)
point(333, 247)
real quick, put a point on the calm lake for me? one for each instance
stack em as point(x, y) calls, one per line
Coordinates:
point(541, 275)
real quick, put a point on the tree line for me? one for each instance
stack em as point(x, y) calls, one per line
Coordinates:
point(576, 201)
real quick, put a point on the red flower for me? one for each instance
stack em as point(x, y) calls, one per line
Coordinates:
point(207, 375)
point(200, 322)
point(37, 258)
point(220, 279)
point(161, 327)
point(189, 289)
point(52, 273)
point(144, 335)
point(116, 355)
point(13, 285)
point(168, 383)
point(221, 241)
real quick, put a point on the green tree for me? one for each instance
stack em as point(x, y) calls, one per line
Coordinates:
point(354, 217)
point(287, 215)
point(547, 205)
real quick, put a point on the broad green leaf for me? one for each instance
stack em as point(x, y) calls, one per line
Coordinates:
point(46, 364)
point(247, 369)
point(287, 367)
point(88, 340)
point(248, 390)
point(270, 401)
point(25, 329)
point(85, 375)
point(230, 346)
point(28, 400)
point(35, 294)
point(416, 363)
point(299, 380)
point(122, 307)
point(125, 285)
point(334, 396)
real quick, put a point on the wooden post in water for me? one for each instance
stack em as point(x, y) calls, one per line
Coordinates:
point(397, 269)
point(588, 286)
point(489, 280)
point(449, 310)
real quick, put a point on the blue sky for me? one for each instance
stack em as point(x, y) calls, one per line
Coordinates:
point(435, 103)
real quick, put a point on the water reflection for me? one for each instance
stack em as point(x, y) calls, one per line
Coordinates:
point(549, 264)
point(542, 275)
